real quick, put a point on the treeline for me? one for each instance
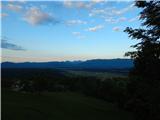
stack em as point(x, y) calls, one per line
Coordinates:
point(40, 80)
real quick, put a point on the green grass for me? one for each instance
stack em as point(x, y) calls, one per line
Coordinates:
point(58, 106)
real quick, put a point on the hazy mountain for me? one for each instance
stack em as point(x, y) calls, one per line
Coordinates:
point(89, 64)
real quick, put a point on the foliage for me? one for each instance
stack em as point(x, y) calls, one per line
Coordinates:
point(144, 88)
point(41, 80)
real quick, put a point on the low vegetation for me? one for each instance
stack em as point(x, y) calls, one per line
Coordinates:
point(30, 86)
point(57, 106)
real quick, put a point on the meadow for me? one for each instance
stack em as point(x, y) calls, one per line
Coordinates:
point(58, 106)
point(99, 74)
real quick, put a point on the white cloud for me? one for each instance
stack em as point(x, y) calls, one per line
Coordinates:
point(110, 11)
point(134, 19)
point(68, 3)
point(77, 4)
point(14, 7)
point(35, 16)
point(95, 12)
point(101, 12)
point(122, 11)
point(112, 14)
point(120, 19)
point(117, 29)
point(75, 22)
point(78, 35)
point(81, 4)
point(115, 20)
point(111, 20)
point(95, 28)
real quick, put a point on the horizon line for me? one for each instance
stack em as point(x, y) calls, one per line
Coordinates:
point(80, 60)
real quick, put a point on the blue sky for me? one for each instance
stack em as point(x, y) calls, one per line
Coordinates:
point(66, 30)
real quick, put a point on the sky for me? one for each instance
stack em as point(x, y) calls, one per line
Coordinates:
point(39, 31)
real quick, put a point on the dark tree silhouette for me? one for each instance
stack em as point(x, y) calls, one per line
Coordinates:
point(147, 54)
point(144, 87)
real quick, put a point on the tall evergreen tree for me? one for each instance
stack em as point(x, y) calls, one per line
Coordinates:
point(147, 54)
point(144, 88)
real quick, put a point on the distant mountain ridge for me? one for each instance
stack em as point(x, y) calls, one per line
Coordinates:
point(88, 64)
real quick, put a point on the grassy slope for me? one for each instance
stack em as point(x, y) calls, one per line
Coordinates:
point(57, 106)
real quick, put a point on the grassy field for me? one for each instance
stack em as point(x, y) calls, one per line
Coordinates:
point(101, 75)
point(58, 106)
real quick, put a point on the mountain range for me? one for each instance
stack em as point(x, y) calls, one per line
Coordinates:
point(88, 64)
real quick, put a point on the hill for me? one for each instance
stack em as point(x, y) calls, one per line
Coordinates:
point(58, 106)
point(89, 64)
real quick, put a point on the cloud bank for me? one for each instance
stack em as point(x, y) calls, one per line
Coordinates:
point(10, 46)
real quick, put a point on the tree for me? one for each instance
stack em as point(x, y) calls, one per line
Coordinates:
point(144, 87)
